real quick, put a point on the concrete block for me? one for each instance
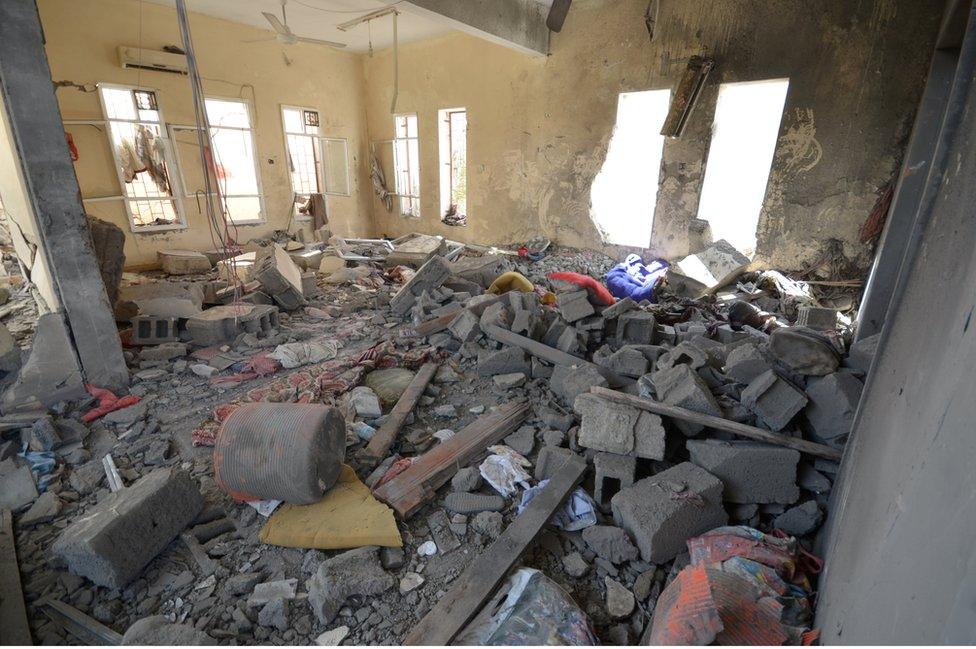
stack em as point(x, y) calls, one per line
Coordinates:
point(430, 276)
point(752, 472)
point(465, 326)
point(52, 372)
point(681, 386)
point(833, 403)
point(356, 572)
point(773, 400)
point(662, 512)
point(183, 262)
point(568, 382)
point(508, 360)
point(618, 308)
point(613, 473)
point(617, 428)
point(163, 299)
point(713, 267)
point(309, 284)
point(112, 542)
point(635, 328)
point(281, 278)
point(817, 318)
point(222, 323)
point(628, 361)
point(551, 460)
point(684, 353)
point(800, 520)
point(575, 305)
point(745, 363)
point(17, 487)
point(478, 303)
point(10, 353)
point(862, 353)
point(154, 330)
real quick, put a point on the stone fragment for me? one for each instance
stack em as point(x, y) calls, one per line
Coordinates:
point(356, 572)
point(460, 502)
point(158, 631)
point(44, 509)
point(364, 403)
point(114, 540)
point(508, 360)
point(332, 637)
point(85, 478)
point(522, 440)
point(465, 326)
point(627, 361)
point(643, 584)
point(610, 543)
point(410, 581)
point(17, 486)
point(773, 400)
point(446, 411)
point(804, 351)
point(271, 590)
point(620, 601)
point(241, 583)
point(862, 353)
point(551, 460)
point(183, 262)
point(274, 614)
point(662, 512)
point(812, 480)
point(44, 435)
point(392, 558)
point(466, 479)
point(800, 520)
point(618, 308)
point(833, 403)
point(752, 472)
point(509, 381)
point(575, 565)
point(488, 524)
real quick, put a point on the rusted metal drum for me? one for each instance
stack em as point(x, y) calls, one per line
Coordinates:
point(280, 451)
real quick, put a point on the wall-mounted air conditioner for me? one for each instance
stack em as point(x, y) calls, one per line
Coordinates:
point(134, 57)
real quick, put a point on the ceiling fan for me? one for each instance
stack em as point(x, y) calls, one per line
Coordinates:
point(287, 37)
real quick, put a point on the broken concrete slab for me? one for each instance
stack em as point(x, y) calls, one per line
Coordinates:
point(551, 459)
point(712, 268)
point(223, 323)
point(619, 308)
point(52, 372)
point(281, 278)
point(356, 572)
point(752, 472)
point(44, 509)
point(833, 403)
point(17, 487)
point(183, 262)
point(617, 428)
point(430, 276)
point(465, 326)
point(114, 540)
point(662, 512)
point(774, 400)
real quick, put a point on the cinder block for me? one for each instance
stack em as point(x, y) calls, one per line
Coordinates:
point(281, 278)
point(575, 305)
point(619, 307)
point(568, 382)
point(745, 363)
point(508, 360)
point(617, 428)
point(430, 276)
point(773, 400)
point(816, 318)
point(635, 328)
point(833, 403)
point(551, 460)
point(222, 323)
point(183, 262)
point(153, 330)
point(628, 361)
point(662, 512)
point(612, 467)
point(112, 542)
point(862, 353)
point(751, 471)
point(681, 386)
point(465, 326)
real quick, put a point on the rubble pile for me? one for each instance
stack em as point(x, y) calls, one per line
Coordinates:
point(119, 514)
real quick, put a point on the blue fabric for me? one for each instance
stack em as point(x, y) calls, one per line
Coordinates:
point(631, 278)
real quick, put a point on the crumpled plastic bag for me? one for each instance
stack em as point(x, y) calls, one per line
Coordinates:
point(292, 355)
point(578, 513)
point(503, 470)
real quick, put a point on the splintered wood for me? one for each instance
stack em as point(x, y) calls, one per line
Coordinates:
point(408, 491)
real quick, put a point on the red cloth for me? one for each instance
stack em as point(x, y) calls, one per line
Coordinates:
point(107, 402)
point(597, 290)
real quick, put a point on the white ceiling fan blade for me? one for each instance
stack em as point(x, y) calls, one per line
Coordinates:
point(321, 42)
point(278, 27)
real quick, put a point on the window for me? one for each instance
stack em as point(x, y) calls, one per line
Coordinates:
point(316, 164)
point(453, 149)
point(234, 160)
point(744, 135)
point(406, 164)
point(624, 193)
point(143, 156)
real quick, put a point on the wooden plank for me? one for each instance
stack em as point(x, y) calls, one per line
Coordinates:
point(550, 354)
point(14, 629)
point(408, 491)
point(453, 611)
point(734, 427)
point(379, 445)
point(86, 629)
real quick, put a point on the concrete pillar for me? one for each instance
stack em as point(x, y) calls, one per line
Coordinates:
point(48, 200)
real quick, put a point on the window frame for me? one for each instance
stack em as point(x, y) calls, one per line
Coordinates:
point(396, 169)
point(319, 151)
point(169, 155)
point(446, 176)
point(174, 128)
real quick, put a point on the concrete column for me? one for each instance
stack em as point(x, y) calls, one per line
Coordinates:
point(36, 135)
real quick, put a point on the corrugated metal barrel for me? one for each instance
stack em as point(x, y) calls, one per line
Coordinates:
point(280, 451)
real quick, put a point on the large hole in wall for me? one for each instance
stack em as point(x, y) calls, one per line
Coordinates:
point(747, 120)
point(624, 193)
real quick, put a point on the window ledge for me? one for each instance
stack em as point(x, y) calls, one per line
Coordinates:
point(153, 229)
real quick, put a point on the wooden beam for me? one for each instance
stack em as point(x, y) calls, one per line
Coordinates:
point(380, 444)
point(416, 485)
point(453, 611)
point(550, 354)
point(14, 629)
point(86, 629)
point(734, 427)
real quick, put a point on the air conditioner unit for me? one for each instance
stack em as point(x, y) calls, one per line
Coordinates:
point(134, 57)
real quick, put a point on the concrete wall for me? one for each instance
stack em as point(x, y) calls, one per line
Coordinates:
point(82, 38)
point(539, 128)
point(900, 558)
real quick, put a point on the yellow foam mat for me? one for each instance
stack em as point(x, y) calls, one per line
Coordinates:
point(348, 517)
